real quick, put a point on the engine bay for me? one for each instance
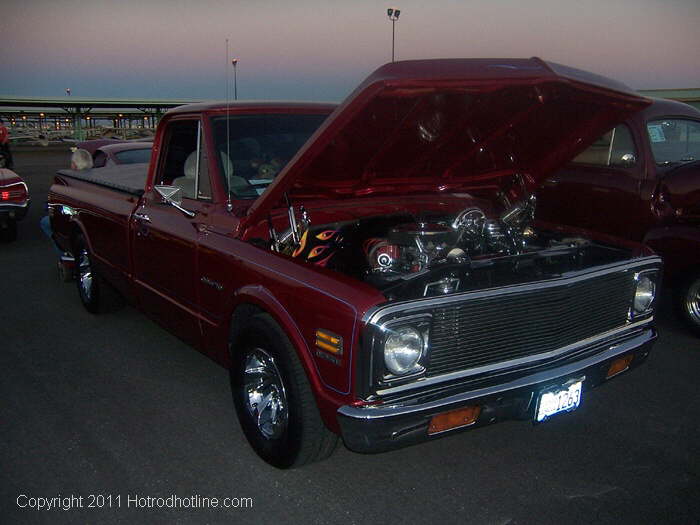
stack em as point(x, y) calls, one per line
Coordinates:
point(410, 255)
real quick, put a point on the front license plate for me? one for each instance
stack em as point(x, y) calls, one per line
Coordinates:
point(563, 399)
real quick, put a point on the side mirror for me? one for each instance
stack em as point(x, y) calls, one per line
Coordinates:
point(172, 195)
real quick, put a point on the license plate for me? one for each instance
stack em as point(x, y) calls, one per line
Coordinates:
point(562, 399)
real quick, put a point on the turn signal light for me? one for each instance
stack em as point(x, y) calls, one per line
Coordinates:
point(461, 417)
point(619, 365)
point(329, 342)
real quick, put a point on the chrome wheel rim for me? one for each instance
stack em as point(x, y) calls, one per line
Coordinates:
point(264, 394)
point(692, 302)
point(85, 274)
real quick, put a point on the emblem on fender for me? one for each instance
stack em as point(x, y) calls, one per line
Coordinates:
point(212, 283)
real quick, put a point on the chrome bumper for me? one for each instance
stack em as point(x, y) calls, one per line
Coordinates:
point(379, 428)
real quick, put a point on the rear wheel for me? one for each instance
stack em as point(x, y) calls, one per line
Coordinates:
point(273, 398)
point(87, 281)
point(688, 302)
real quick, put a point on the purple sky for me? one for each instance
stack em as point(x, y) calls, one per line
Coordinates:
point(311, 50)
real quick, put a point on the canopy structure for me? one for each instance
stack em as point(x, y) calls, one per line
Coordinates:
point(31, 116)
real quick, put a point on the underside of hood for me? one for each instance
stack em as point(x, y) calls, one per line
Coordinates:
point(452, 125)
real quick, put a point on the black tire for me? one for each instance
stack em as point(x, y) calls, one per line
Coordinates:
point(8, 231)
point(289, 432)
point(687, 302)
point(87, 281)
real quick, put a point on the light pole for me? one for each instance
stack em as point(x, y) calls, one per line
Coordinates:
point(393, 15)
point(235, 80)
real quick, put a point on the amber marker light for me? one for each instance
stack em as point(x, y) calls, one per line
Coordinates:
point(619, 365)
point(461, 417)
point(329, 342)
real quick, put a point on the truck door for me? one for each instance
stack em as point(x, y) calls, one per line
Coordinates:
point(599, 189)
point(165, 239)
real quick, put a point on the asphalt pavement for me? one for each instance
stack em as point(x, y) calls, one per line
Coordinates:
point(102, 415)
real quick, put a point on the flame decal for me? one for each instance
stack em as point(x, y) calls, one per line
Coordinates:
point(324, 236)
point(324, 262)
point(302, 245)
point(318, 250)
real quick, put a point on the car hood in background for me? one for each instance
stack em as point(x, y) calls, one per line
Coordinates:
point(452, 125)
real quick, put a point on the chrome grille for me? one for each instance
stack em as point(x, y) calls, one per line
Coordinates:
point(494, 329)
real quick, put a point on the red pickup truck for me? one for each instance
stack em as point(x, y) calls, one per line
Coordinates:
point(641, 181)
point(373, 270)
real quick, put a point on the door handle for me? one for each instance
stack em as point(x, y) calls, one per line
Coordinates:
point(142, 217)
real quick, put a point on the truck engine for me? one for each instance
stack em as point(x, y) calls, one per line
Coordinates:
point(408, 256)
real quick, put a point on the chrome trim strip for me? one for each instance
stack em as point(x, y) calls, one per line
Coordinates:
point(374, 412)
point(514, 362)
point(26, 203)
point(374, 314)
point(26, 188)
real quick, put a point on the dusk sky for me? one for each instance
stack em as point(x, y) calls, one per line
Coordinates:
point(311, 50)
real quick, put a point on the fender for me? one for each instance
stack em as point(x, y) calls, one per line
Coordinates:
point(679, 245)
point(263, 299)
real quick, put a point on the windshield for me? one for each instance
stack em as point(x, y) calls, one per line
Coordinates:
point(133, 156)
point(258, 147)
point(674, 141)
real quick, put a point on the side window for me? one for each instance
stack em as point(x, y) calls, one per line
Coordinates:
point(674, 141)
point(99, 160)
point(186, 163)
point(615, 148)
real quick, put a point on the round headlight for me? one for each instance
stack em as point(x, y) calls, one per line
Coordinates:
point(402, 350)
point(644, 295)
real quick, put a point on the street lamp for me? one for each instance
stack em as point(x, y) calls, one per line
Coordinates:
point(393, 15)
point(234, 62)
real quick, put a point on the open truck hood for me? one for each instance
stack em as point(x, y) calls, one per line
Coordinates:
point(451, 125)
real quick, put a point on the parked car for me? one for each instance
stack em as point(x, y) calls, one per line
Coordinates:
point(14, 203)
point(641, 181)
point(92, 145)
point(122, 153)
point(372, 270)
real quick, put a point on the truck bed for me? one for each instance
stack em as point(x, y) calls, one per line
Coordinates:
point(128, 178)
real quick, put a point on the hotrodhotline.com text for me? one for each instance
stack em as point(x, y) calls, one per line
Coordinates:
point(130, 501)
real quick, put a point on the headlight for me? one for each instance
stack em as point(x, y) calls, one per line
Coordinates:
point(644, 293)
point(403, 349)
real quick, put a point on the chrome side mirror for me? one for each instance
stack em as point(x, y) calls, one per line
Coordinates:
point(172, 195)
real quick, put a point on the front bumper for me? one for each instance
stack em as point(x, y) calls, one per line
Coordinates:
point(378, 428)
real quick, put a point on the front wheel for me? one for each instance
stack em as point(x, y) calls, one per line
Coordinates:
point(85, 277)
point(273, 398)
point(688, 302)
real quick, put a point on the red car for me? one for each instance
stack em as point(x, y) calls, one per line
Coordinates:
point(14, 203)
point(122, 153)
point(373, 270)
point(641, 181)
point(91, 145)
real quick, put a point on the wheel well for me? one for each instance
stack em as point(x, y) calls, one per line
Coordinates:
point(74, 234)
point(241, 314)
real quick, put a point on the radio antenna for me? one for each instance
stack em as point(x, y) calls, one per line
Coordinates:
point(228, 166)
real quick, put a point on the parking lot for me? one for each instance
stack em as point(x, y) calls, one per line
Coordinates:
point(114, 406)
